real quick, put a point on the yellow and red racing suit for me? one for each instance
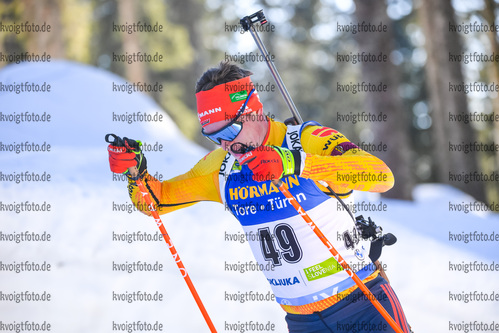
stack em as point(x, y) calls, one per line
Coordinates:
point(304, 276)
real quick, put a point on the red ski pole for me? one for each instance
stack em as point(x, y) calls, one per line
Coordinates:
point(134, 173)
point(282, 187)
point(180, 265)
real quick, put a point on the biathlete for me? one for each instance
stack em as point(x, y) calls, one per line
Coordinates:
point(308, 283)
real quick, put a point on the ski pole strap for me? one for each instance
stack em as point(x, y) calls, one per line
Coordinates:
point(288, 160)
point(291, 199)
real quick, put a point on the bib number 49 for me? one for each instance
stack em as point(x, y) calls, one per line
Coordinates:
point(281, 244)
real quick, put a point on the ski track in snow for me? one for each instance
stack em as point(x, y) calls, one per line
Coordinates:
point(82, 221)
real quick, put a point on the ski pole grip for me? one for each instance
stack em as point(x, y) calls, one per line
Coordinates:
point(116, 139)
point(248, 21)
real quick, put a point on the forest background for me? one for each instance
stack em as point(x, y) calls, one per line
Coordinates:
point(436, 120)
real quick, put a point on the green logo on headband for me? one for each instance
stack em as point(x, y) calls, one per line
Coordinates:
point(238, 96)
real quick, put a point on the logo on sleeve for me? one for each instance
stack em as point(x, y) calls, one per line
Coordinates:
point(324, 131)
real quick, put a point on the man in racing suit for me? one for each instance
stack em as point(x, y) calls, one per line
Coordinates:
point(309, 284)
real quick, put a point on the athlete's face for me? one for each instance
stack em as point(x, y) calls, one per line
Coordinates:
point(253, 132)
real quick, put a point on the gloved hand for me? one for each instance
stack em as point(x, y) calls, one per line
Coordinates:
point(271, 162)
point(124, 154)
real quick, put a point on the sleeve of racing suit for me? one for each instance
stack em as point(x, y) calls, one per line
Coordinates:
point(332, 158)
point(198, 184)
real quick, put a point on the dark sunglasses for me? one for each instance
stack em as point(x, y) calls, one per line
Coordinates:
point(230, 131)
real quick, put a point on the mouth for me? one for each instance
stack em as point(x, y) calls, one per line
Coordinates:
point(240, 148)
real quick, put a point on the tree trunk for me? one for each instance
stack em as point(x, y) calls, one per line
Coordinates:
point(40, 12)
point(127, 13)
point(394, 131)
point(489, 15)
point(437, 18)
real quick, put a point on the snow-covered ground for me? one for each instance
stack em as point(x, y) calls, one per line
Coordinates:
point(87, 220)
